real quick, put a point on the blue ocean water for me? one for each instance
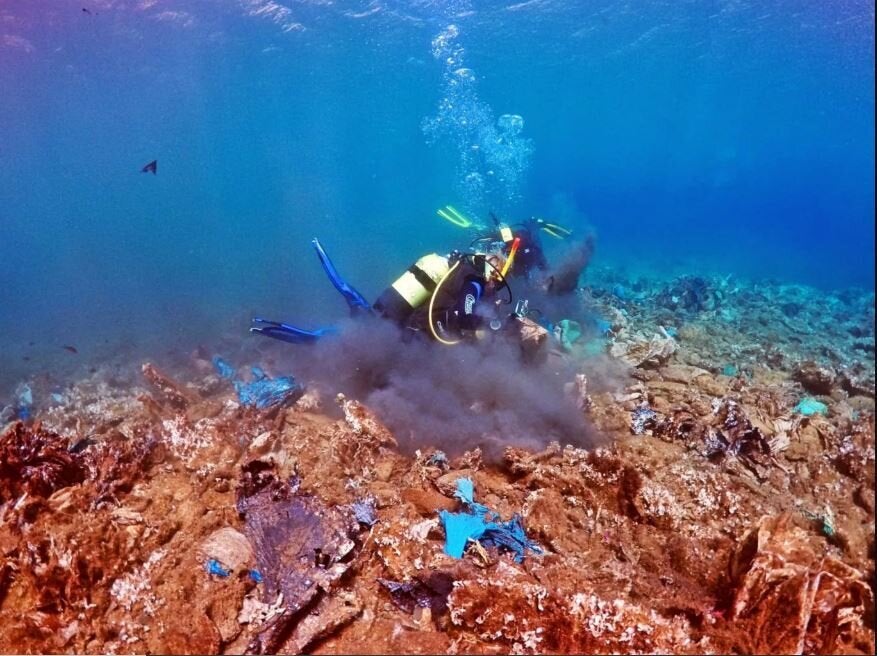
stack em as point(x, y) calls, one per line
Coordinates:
point(694, 136)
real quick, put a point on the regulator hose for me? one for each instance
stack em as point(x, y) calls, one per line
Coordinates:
point(432, 302)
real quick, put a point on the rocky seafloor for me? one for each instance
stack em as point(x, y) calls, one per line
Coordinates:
point(729, 510)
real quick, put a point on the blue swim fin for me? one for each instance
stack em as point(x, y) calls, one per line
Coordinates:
point(287, 333)
point(355, 300)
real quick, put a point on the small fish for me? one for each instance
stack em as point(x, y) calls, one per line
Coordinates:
point(26, 358)
point(81, 445)
point(152, 167)
point(72, 349)
point(86, 11)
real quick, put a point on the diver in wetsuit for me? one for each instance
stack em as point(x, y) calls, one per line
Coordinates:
point(438, 294)
point(450, 297)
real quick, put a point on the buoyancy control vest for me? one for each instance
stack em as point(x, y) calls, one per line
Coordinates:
point(413, 288)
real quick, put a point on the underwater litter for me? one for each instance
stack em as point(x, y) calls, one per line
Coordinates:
point(295, 527)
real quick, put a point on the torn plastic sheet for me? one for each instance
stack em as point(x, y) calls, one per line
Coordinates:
point(482, 524)
point(459, 529)
point(223, 368)
point(300, 545)
point(262, 391)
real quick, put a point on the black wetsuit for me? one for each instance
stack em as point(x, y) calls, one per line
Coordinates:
point(455, 308)
point(529, 255)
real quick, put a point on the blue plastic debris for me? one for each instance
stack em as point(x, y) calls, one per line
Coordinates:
point(223, 368)
point(256, 575)
point(262, 391)
point(365, 512)
point(25, 395)
point(465, 491)
point(639, 419)
point(459, 529)
point(672, 331)
point(483, 524)
point(809, 406)
point(24, 398)
point(729, 370)
point(619, 292)
point(215, 568)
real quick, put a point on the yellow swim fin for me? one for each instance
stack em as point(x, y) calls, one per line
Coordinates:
point(449, 213)
point(554, 229)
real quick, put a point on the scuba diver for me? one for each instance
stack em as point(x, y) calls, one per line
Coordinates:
point(450, 297)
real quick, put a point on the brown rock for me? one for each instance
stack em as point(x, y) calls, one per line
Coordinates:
point(172, 393)
point(813, 378)
point(193, 634)
point(384, 469)
point(447, 483)
point(230, 547)
point(427, 502)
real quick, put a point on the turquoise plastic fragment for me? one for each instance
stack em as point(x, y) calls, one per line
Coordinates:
point(459, 529)
point(809, 406)
point(466, 493)
point(483, 524)
point(729, 370)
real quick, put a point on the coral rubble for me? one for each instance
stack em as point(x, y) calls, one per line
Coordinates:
point(731, 508)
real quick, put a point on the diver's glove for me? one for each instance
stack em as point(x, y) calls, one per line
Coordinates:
point(287, 333)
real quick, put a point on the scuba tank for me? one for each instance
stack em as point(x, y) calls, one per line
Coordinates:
point(413, 288)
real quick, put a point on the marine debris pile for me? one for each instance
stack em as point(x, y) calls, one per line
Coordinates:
point(187, 510)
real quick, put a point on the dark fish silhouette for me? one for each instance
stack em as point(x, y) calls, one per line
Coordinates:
point(81, 445)
point(72, 349)
point(152, 167)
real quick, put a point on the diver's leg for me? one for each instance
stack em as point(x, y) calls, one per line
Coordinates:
point(354, 299)
point(286, 332)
